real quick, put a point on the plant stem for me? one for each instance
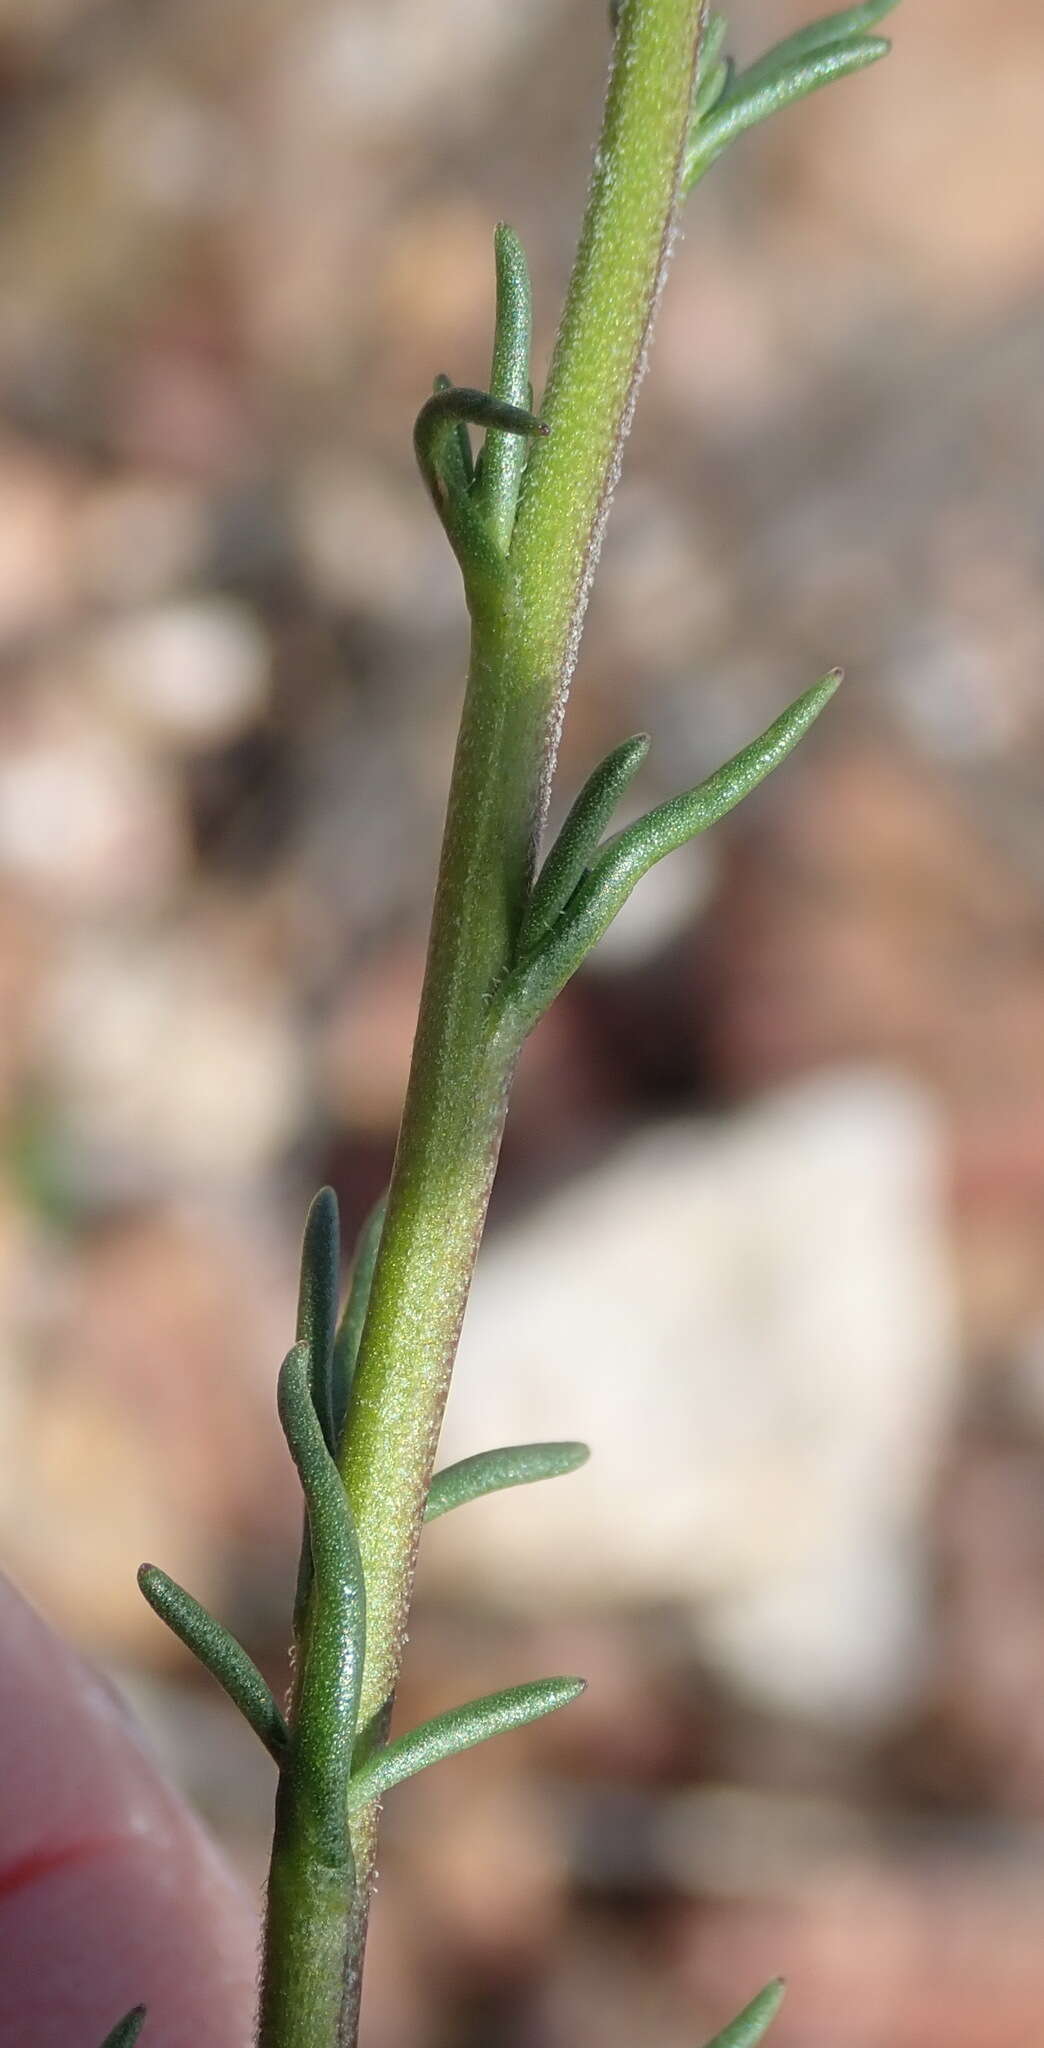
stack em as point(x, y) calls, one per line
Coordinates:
point(524, 641)
point(311, 1886)
point(306, 1935)
point(602, 341)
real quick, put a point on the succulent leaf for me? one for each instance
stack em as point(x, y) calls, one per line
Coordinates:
point(332, 1641)
point(604, 888)
point(751, 2025)
point(448, 1734)
point(817, 35)
point(126, 2032)
point(317, 1298)
point(437, 447)
point(713, 68)
point(350, 1328)
point(579, 837)
point(744, 105)
point(494, 1471)
point(219, 1653)
point(504, 454)
point(726, 102)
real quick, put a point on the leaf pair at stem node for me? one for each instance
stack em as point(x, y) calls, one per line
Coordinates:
point(320, 1738)
point(585, 882)
point(476, 499)
point(727, 102)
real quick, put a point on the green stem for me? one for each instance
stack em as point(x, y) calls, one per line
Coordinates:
point(306, 1934)
point(602, 342)
point(311, 1886)
point(447, 1148)
point(525, 631)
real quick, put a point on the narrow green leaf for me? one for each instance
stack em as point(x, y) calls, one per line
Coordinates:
point(711, 92)
point(604, 890)
point(462, 1728)
point(504, 454)
point(126, 2033)
point(316, 1323)
point(437, 447)
point(745, 106)
point(332, 1642)
point(493, 1471)
point(751, 2025)
point(579, 836)
point(818, 35)
point(350, 1328)
point(712, 43)
point(458, 466)
point(317, 1298)
point(219, 1653)
point(712, 73)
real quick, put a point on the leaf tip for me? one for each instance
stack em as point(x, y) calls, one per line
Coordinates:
point(126, 2032)
point(631, 753)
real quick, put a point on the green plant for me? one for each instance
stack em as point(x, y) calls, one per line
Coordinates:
point(361, 1399)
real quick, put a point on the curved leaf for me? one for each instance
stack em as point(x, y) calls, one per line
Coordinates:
point(578, 839)
point(448, 1734)
point(456, 460)
point(494, 1471)
point(604, 889)
point(745, 105)
point(817, 35)
point(219, 1653)
point(437, 446)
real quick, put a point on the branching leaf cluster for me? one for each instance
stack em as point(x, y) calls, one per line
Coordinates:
point(318, 1744)
point(727, 102)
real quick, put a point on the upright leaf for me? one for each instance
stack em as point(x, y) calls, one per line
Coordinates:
point(318, 1293)
point(332, 1633)
point(752, 2024)
point(532, 987)
point(350, 1328)
point(578, 839)
point(504, 454)
point(126, 2032)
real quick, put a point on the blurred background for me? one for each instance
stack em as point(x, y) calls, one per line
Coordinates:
point(770, 1224)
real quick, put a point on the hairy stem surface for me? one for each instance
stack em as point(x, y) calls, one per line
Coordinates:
point(524, 640)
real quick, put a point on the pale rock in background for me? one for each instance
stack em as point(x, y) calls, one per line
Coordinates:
point(190, 675)
point(171, 1066)
point(87, 823)
point(753, 1325)
point(38, 502)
